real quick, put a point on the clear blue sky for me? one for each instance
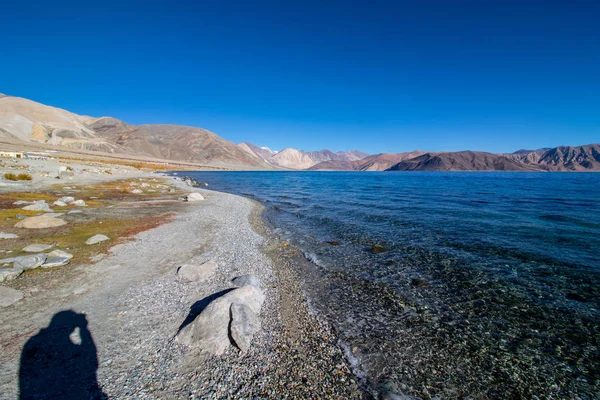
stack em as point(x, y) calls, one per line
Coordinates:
point(379, 76)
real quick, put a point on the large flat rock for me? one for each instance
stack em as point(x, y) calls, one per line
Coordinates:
point(40, 222)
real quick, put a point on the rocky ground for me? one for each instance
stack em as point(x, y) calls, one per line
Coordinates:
point(126, 307)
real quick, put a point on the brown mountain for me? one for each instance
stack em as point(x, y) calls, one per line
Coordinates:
point(461, 161)
point(562, 158)
point(376, 162)
point(23, 120)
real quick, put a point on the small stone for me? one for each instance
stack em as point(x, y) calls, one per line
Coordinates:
point(30, 262)
point(194, 197)
point(55, 262)
point(96, 239)
point(9, 296)
point(137, 191)
point(200, 273)
point(8, 274)
point(36, 248)
point(243, 325)
point(67, 199)
point(8, 235)
point(75, 212)
point(378, 249)
point(21, 202)
point(38, 207)
point(59, 203)
point(246, 280)
point(20, 216)
point(59, 253)
point(40, 222)
point(78, 203)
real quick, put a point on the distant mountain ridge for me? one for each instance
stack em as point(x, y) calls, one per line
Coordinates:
point(23, 121)
point(299, 159)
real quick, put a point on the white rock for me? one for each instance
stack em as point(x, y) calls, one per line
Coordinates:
point(96, 239)
point(40, 222)
point(8, 274)
point(29, 262)
point(59, 203)
point(9, 296)
point(210, 330)
point(8, 235)
point(36, 248)
point(246, 280)
point(193, 272)
point(137, 191)
point(55, 262)
point(59, 253)
point(21, 202)
point(67, 199)
point(75, 212)
point(78, 203)
point(243, 325)
point(194, 197)
point(38, 207)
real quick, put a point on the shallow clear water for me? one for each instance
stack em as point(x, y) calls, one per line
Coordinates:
point(483, 285)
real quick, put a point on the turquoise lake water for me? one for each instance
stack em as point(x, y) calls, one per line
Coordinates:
point(458, 284)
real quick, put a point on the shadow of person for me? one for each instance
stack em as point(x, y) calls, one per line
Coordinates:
point(60, 362)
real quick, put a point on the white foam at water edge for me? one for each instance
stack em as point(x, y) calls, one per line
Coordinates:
point(312, 257)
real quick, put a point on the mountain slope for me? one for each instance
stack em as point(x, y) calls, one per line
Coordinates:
point(29, 121)
point(299, 159)
point(461, 161)
point(376, 162)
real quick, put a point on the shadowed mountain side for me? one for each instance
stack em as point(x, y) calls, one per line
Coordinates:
point(462, 161)
point(376, 162)
point(563, 158)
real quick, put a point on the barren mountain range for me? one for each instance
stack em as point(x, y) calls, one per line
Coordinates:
point(24, 121)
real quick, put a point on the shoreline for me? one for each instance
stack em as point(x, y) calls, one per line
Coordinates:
point(134, 303)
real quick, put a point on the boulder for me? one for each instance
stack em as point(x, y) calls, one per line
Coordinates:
point(67, 199)
point(30, 262)
point(210, 330)
point(38, 207)
point(197, 273)
point(246, 280)
point(55, 262)
point(8, 274)
point(243, 325)
point(8, 235)
point(36, 248)
point(59, 203)
point(9, 296)
point(96, 239)
point(59, 253)
point(78, 203)
point(194, 197)
point(40, 222)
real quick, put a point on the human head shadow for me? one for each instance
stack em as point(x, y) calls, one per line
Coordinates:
point(59, 364)
point(199, 306)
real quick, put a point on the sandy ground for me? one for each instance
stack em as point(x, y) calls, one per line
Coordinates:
point(134, 303)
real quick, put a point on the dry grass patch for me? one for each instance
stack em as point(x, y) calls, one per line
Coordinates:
point(17, 177)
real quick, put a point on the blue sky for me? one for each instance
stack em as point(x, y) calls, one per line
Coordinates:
point(379, 76)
